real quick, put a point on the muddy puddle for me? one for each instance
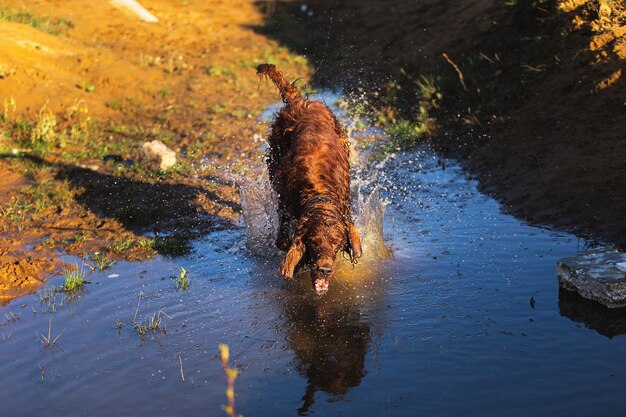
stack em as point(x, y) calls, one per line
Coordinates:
point(464, 318)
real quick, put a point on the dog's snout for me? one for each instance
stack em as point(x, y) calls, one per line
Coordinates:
point(326, 270)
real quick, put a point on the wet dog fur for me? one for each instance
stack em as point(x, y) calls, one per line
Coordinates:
point(308, 162)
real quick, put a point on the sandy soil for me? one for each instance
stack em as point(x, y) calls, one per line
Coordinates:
point(19, 274)
point(188, 80)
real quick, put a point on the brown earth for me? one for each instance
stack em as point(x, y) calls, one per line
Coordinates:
point(76, 105)
point(18, 274)
point(534, 96)
point(532, 102)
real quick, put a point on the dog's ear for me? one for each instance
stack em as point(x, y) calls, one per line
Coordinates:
point(354, 241)
point(292, 258)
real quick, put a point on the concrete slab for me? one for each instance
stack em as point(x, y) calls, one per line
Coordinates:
point(595, 276)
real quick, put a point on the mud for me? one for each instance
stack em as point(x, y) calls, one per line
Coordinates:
point(21, 275)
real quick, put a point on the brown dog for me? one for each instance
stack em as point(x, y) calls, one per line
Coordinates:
point(310, 170)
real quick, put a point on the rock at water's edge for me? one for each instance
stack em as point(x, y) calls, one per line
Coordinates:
point(595, 276)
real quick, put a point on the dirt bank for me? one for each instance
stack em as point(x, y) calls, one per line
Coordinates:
point(83, 85)
point(533, 92)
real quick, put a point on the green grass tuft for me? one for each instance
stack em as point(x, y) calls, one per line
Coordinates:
point(74, 278)
point(101, 261)
point(55, 27)
point(404, 133)
point(175, 245)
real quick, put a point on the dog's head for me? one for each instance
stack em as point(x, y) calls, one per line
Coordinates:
point(320, 237)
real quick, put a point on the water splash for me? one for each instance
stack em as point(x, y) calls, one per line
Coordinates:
point(259, 202)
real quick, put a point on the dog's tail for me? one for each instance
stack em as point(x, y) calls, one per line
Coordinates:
point(289, 92)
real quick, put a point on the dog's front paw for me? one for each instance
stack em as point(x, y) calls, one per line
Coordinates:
point(286, 272)
point(291, 259)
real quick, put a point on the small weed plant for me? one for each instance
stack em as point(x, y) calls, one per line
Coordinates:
point(175, 245)
point(74, 278)
point(50, 300)
point(231, 375)
point(48, 341)
point(101, 261)
point(182, 281)
point(154, 324)
point(52, 26)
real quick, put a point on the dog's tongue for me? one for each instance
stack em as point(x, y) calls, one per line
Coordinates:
point(321, 285)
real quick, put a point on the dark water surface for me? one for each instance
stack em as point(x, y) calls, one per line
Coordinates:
point(444, 328)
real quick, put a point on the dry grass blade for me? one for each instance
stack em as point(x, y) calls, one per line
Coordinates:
point(42, 370)
point(456, 68)
point(48, 341)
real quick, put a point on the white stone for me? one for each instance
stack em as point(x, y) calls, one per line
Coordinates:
point(137, 9)
point(596, 276)
point(158, 156)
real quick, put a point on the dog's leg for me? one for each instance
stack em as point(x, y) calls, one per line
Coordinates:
point(283, 240)
point(292, 258)
point(354, 241)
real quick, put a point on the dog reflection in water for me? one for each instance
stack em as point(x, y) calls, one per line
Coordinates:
point(330, 341)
